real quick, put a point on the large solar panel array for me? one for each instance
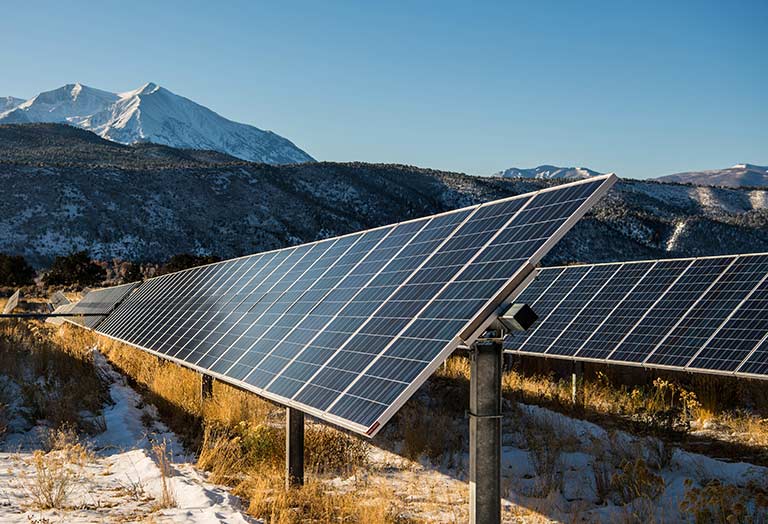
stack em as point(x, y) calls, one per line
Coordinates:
point(96, 305)
point(346, 329)
point(700, 314)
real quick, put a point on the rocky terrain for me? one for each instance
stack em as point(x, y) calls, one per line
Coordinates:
point(65, 189)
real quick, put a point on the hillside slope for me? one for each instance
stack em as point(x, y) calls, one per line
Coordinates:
point(740, 175)
point(57, 198)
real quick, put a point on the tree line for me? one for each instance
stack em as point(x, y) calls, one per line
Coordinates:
point(79, 269)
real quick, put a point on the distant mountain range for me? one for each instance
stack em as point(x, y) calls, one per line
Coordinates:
point(740, 175)
point(548, 172)
point(63, 188)
point(151, 114)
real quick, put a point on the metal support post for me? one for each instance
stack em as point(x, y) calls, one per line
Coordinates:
point(206, 387)
point(577, 384)
point(294, 448)
point(485, 433)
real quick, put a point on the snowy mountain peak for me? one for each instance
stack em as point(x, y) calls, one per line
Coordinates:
point(740, 175)
point(152, 114)
point(9, 102)
point(547, 172)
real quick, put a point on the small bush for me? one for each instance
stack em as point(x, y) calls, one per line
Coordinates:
point(716, 503)
point(15, 271)
point(74, 269)
point(547, 439)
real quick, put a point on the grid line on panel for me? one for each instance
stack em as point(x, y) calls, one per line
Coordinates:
point(455, 229)
point(285, 263)
point(412, 320)
point(297, 354)
point(312, 356)
point(283, 280)
point(756, 362)
point(566, 275)
point(508, 246)
point(175, 286)
point(208, 286)
point(198, 283)
point(221, 298)
point(384, 233)
point(734, 315)
point(582, 306)
point(283, 313)
point(98, 301)
point(320, 249)
point(616, 307)
point(266, 267)
point(682, 338)
point(651, 308)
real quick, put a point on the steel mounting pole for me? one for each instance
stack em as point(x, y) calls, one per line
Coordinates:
point(485, 432)
point(294, 448)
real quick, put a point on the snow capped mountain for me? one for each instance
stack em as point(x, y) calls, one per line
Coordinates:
point(553, 172)
point(9, 102)
point(740, 175)
point(153, 114)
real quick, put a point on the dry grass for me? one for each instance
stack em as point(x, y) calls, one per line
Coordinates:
point(163, 458)
point(56, 473)
point(56, 373)
point(241, 440)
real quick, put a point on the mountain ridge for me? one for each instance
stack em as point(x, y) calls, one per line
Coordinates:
point(130, 208)
point(153, 114)
point(547, 171)
point(739, 175)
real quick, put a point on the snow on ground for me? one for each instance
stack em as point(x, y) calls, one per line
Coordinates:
point(122, 482)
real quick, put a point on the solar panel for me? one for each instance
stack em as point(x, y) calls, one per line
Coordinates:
point(58, 299)
point(347, 328)
point(13, 302)
point(96, 305)
point(706, 314)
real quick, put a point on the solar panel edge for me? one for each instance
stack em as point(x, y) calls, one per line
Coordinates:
point(343, 423)
point(514, 286)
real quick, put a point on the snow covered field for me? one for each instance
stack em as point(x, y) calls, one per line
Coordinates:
point(122, 481)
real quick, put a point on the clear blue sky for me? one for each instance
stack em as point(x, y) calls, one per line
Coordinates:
point(639, 88)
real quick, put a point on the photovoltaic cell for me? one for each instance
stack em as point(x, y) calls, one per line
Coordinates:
point(346, 328)
point(708, 314)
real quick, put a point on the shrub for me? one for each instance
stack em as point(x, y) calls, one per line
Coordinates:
point(74, 269)
point(186, 261)
point(718, 503)
point(14, 271)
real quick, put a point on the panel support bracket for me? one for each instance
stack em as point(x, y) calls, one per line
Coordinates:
point(577, 385)
point(206, 387)
point(294, 448)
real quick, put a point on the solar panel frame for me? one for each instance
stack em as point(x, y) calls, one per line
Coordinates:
point(474, 326)
point(761, 348)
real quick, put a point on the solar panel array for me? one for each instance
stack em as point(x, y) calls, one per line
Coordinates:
point(13, 302)
point(346, 329)
point(700, 314)
point(97, 304)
